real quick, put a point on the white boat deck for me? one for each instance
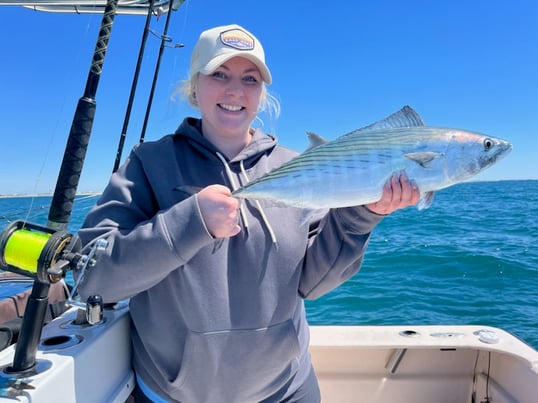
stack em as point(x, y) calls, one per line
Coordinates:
point(354, 364)
point(423, 364)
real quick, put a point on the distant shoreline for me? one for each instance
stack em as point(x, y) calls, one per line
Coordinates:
point(13, 196)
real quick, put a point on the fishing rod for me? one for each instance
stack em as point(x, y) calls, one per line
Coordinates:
point(79, 136)
point(174, 4)
point(134, 85)
point(164, 38)
point(48, 252)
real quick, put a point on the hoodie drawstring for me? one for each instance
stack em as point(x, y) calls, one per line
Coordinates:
point(235, 186)
point(258, 205)
point(230, 177)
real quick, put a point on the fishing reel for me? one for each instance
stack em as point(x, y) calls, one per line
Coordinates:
point(45, 255)
point(39, 252)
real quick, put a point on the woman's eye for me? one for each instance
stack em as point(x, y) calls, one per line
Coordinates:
point(219, 75)
point(250, 79)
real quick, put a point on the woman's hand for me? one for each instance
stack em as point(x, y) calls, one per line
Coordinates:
point(220, 211)
point(398, 193)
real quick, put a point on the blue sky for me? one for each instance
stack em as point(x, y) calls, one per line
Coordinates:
point(336, 66)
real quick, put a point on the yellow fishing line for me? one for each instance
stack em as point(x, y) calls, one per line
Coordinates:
point(23, 249)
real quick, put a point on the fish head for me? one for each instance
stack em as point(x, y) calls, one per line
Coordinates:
point(471, 153)
point(494, 150)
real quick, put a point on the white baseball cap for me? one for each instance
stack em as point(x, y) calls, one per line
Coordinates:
point(218, 45)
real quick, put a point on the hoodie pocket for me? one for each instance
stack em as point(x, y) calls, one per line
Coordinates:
point(237, 365)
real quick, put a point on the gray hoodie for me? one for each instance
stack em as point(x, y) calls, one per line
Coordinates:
point(215, 320)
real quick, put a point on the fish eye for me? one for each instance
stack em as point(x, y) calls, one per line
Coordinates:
point(488, 144)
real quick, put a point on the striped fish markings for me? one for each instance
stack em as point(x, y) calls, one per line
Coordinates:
point(352, 169)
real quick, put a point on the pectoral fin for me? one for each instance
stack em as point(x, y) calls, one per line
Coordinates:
point(424, 159)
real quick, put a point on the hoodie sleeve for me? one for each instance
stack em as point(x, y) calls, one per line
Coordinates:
point(144, 243)
point(336, 249)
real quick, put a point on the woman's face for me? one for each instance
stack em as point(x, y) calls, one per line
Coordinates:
point(229, 98)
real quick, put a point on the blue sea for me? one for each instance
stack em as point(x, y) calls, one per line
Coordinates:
point(471, 258)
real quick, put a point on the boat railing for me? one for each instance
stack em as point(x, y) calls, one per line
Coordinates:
point(132, 7)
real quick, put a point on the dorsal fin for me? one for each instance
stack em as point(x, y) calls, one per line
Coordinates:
point(315, 140)
point(405, 117)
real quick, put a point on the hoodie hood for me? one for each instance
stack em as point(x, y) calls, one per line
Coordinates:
point(191, 129)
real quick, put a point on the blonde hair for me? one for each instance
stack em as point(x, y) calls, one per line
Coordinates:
point(268, 102)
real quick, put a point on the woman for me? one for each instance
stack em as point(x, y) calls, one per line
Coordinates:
point(217, 307)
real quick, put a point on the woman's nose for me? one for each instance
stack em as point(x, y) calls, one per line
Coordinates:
point(234, 87)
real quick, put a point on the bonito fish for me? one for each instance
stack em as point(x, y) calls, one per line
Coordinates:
point(352, 169)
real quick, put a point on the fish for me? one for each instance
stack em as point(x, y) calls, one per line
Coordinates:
point(352, 169)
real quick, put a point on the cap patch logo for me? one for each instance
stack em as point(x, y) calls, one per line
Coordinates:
point(237, 39)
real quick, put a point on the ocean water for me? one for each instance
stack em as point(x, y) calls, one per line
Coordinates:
point(471, 258)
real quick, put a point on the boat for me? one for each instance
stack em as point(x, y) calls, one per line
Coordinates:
point(422, 364)
point(67, 350)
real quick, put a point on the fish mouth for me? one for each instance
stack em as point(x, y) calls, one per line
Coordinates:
point(504, 148)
